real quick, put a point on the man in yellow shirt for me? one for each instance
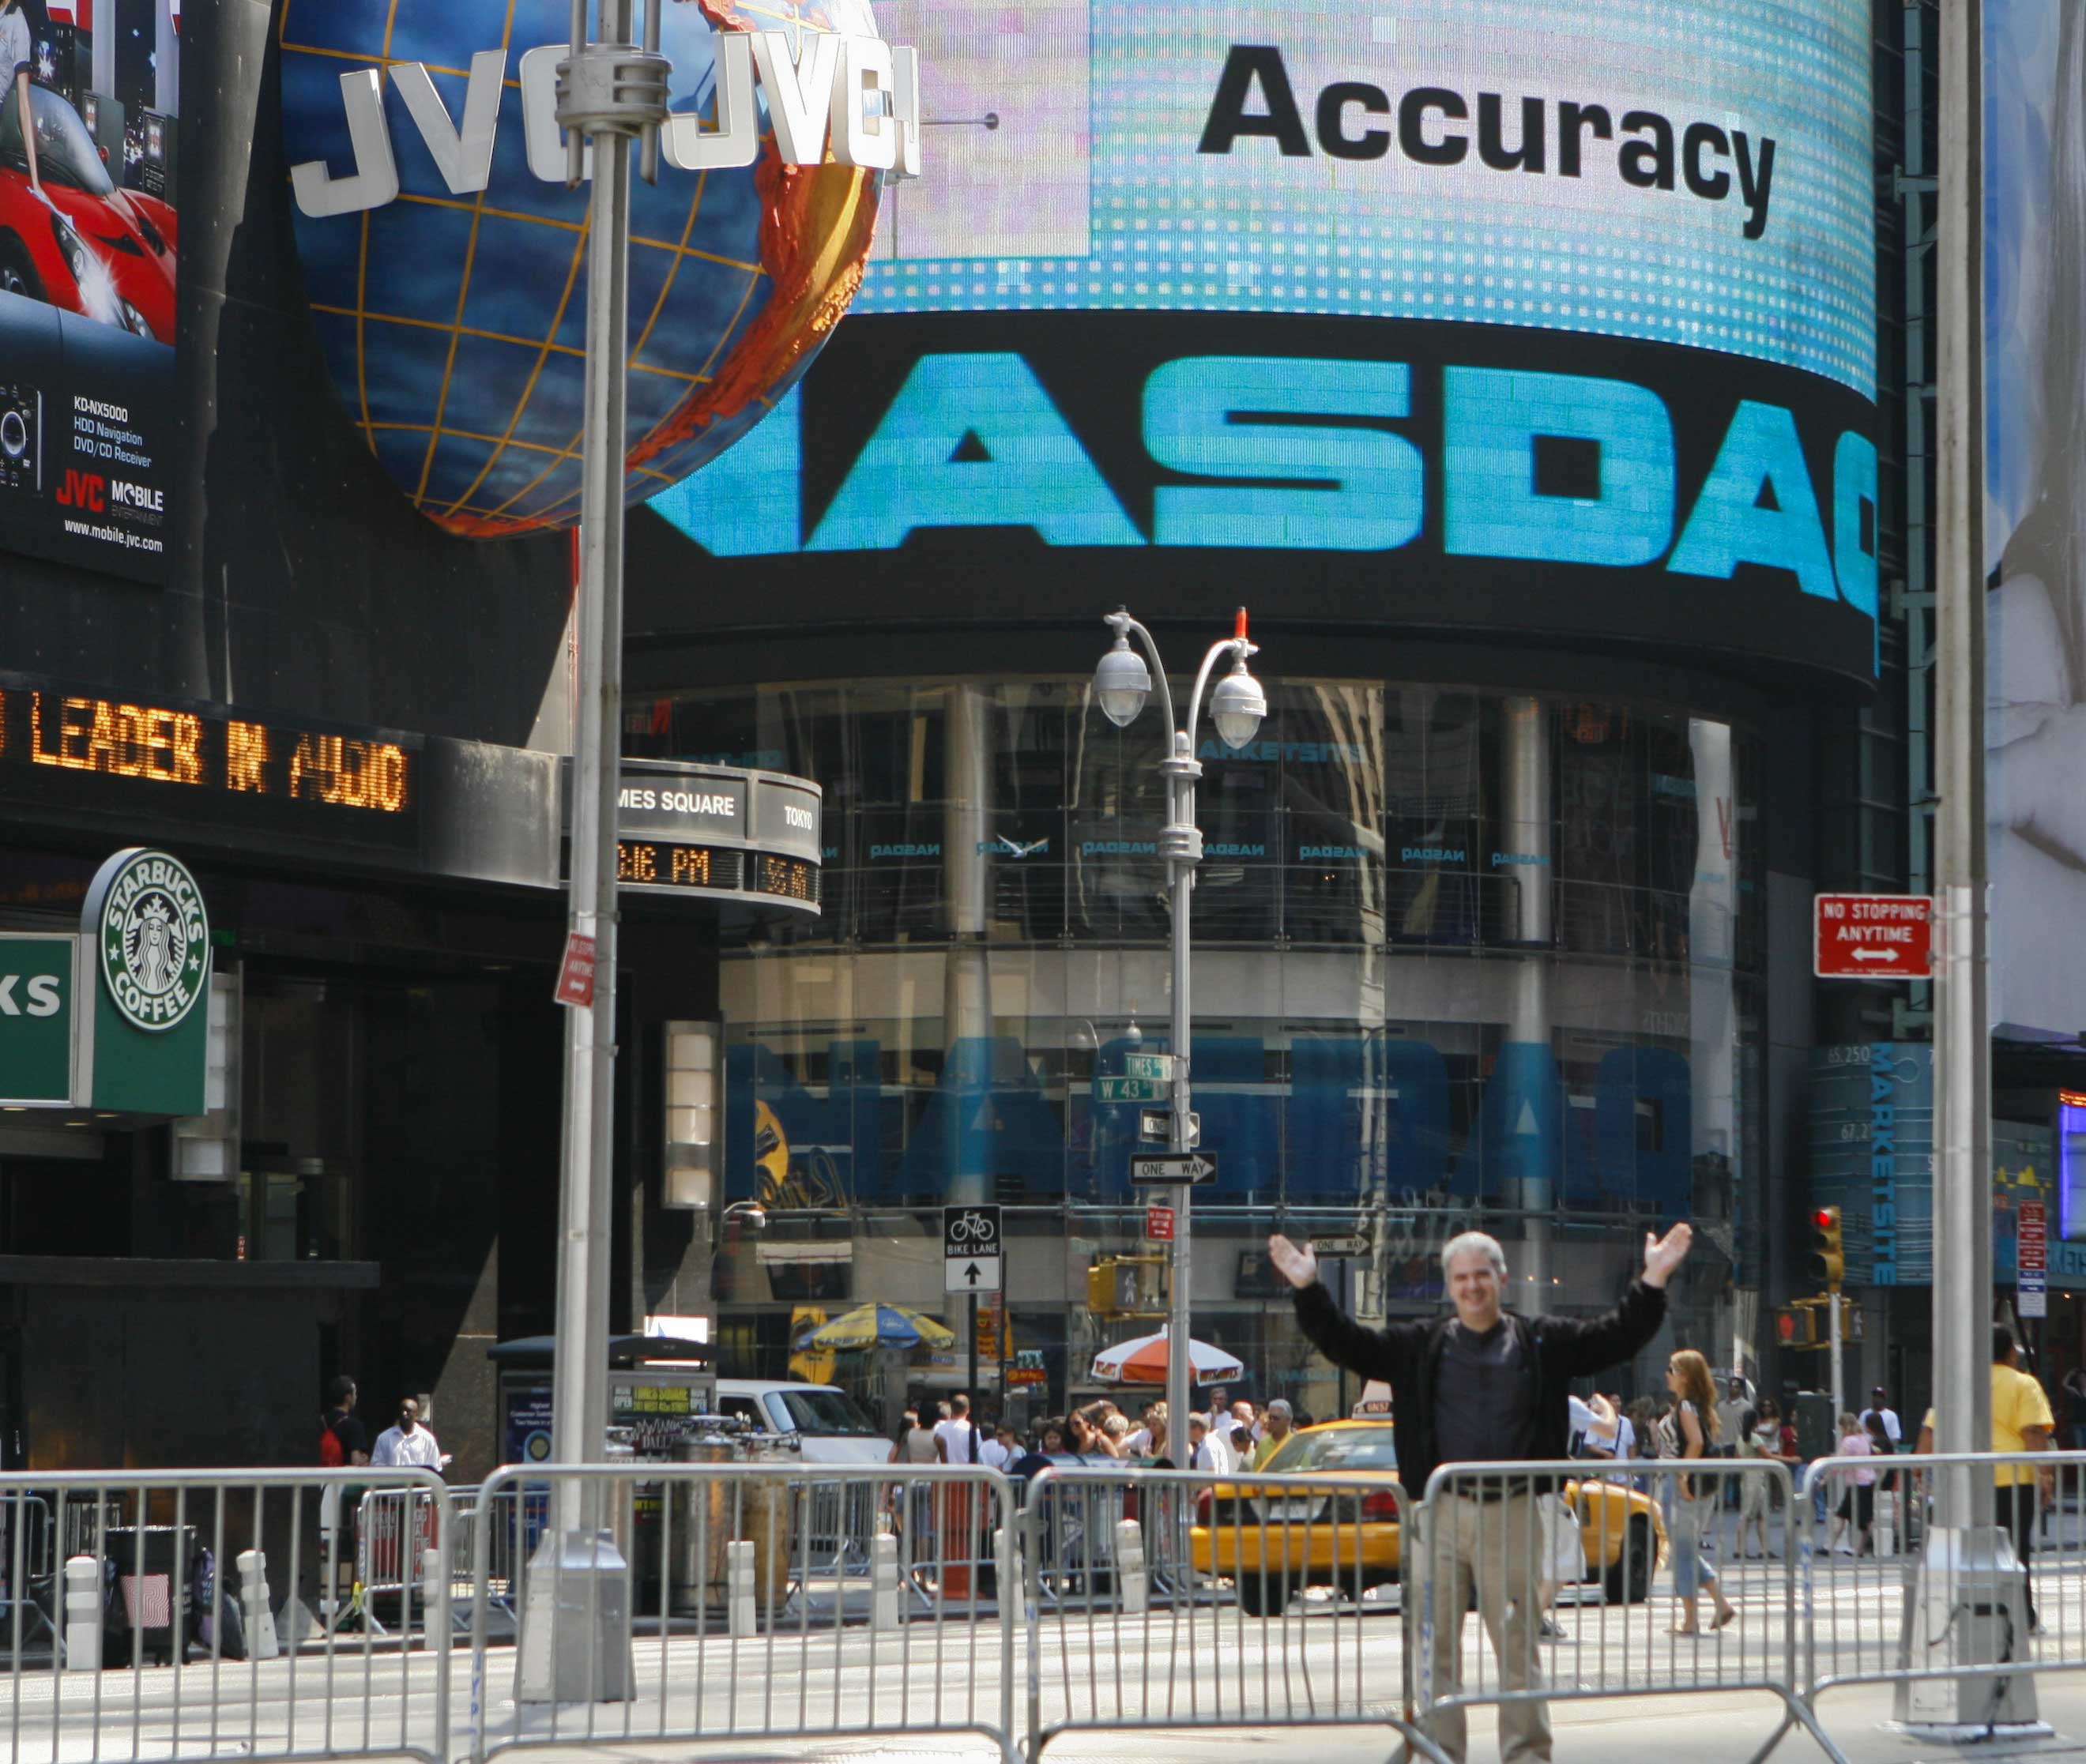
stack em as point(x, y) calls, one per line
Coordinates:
point(2021, 1422)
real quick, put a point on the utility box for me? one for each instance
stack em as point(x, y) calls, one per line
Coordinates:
point(1817, 1434)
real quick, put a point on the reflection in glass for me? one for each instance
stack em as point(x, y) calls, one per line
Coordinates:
point(1461, 957)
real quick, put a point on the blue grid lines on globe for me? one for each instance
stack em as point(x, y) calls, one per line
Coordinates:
point(456, 324)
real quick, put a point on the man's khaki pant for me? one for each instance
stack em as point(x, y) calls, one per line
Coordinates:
point(1496, 1547)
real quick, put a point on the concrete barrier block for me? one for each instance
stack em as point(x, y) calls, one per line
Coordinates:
point(261, 1641)
point(82, 1614)
point(883, 1581)
point(1133, 1579)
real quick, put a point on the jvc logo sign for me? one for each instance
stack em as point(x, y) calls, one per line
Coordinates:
point(859, 92)
point(84, 489)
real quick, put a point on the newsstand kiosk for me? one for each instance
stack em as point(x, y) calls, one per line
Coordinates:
point(662, 1409)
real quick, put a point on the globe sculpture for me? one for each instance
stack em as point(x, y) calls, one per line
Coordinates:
point(454, 326)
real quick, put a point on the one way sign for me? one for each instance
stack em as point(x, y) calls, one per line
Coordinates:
point(971, 1249)
point(1173, 1166)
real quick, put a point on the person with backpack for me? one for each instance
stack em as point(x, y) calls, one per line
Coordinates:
point(343, 1443)
point(342, 1439)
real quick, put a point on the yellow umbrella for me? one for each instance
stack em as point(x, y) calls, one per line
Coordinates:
point(879, 1326)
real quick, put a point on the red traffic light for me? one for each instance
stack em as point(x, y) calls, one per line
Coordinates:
point(1828, 1256)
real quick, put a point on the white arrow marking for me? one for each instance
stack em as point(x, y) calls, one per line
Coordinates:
point(1876, 955)
point(1525, 1123)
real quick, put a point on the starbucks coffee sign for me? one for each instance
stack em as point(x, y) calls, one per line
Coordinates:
point(143, 1046)
point(116, 1018)
point(147, 916)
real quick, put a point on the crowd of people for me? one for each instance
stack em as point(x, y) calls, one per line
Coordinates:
point(1229, 1436)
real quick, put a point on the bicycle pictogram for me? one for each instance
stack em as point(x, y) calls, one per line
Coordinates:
point(976, 1229)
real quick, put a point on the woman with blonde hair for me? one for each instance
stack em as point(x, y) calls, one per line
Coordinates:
point(1694, 1506)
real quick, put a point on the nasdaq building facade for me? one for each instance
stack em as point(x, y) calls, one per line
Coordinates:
point(1517, 370)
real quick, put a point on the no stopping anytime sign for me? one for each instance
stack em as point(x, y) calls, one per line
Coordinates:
point(1873, 937)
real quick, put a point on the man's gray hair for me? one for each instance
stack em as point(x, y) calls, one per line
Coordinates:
point(1280, 1406)
point(1474, 1243)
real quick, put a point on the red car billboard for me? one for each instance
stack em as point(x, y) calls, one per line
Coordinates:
point(89, 255)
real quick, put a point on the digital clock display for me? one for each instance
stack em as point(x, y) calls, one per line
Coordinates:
point(197, 763)
point(663, 864)
point(788, 879)
point(669, 867)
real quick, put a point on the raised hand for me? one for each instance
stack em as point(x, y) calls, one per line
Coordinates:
point(1298, 1266)
point(1662, 1255)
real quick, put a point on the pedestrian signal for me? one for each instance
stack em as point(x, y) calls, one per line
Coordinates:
point(1796, 1326)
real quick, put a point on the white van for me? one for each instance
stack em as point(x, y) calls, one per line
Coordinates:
point(828, 1424)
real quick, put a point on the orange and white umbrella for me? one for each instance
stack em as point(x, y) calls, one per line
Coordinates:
point(1144, 1361)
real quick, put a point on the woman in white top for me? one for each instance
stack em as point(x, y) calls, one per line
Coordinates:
point(1756, 1491)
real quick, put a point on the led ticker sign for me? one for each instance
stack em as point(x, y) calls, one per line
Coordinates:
point(663, 867)
point(201, 764)
point(788, 879)
point(717, 832)
point(656, 864)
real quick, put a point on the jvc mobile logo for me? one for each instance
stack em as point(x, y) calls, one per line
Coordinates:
point(84, 489)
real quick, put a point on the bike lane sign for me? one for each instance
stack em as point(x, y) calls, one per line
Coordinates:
point(971, 1249)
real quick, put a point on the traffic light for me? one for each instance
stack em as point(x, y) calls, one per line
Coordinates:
point(1829, 1255)
point(1796, 1326)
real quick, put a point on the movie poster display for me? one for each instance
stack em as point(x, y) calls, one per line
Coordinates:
point(89, 249)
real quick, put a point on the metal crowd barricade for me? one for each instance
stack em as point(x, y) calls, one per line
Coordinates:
point(1114, 1645)
point(394, 1529)
point(244, 1673)
point(843, 1521)
point(729, 1617)
point(1884, 1610)
point(1503, 1540)
point(513, 1516)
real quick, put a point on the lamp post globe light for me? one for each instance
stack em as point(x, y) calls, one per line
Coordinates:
point(1122, 686)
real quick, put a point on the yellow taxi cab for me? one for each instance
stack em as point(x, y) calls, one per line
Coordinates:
point(1273, 1542)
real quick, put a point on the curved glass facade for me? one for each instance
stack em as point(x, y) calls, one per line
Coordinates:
point(1461, 957)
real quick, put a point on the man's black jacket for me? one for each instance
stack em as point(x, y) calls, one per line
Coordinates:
point(1408, 1355)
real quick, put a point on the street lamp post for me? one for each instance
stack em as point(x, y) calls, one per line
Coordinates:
point(1122, 683)
point(611, 94)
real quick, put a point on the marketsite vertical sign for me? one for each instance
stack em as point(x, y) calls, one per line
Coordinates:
point(116, 1019)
